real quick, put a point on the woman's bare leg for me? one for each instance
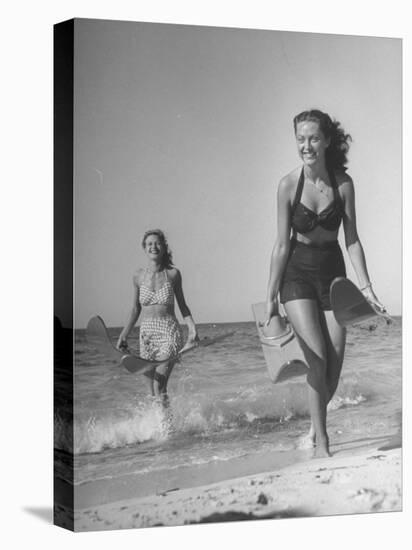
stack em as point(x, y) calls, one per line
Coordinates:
point(335, 344)
point(335, 338)
point(150, 375)
point(304, 316)
point(160, 379)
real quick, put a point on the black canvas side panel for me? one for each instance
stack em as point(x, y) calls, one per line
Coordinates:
point(63, 274)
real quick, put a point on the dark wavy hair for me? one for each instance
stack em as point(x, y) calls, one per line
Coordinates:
point(339, 141)
point(167, 260)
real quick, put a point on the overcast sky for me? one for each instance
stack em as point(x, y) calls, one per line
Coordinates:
point(190, 129)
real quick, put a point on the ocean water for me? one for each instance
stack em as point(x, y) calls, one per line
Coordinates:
point(223, 410)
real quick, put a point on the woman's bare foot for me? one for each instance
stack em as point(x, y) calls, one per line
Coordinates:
point(322, 448)
point(307, 441)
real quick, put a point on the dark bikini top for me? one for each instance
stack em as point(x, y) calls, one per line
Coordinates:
point(304, 219)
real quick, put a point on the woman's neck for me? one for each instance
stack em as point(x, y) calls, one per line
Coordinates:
point(315, 173)
point(154, 266)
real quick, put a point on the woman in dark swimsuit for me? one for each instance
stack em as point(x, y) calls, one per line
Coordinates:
point(155, 290)
point(313, 200)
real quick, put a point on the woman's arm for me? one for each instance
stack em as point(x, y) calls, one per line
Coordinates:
point(134, 315)
point(281, 247)
point(353, 243)
point(184, 309)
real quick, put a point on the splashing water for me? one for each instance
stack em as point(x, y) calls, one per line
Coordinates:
point(222, 404)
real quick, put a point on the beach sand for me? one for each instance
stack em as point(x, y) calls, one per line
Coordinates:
point(353, 481)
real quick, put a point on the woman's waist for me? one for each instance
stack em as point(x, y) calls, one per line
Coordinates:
point(156, 310)
point(320, 245)
point(314, 257)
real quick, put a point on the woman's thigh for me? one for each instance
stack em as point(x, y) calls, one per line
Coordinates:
point(305, 319)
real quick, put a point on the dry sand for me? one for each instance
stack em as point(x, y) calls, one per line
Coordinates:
point(368, 480)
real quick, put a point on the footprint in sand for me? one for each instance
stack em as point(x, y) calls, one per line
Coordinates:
point(370, 497)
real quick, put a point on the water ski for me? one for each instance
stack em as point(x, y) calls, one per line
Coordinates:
point(283, 355)
point(97, 334)
point(131, 362)
point(350, 305)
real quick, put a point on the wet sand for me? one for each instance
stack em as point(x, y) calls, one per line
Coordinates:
point(358, 478)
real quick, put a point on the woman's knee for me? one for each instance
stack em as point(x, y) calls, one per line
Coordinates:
point(162, 370)
point(315, 355)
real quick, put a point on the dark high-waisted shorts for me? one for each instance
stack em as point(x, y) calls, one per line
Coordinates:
point(310, 271)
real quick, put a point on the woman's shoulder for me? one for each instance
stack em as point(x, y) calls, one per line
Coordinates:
point(288, 184)
point(291, 178)
point(138, 276)
point(342, 177)
point(173, 273)
point(174, 276)
point(344, 182)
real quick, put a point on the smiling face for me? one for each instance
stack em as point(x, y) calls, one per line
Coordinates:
point(311, 143)
point(154, 247)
